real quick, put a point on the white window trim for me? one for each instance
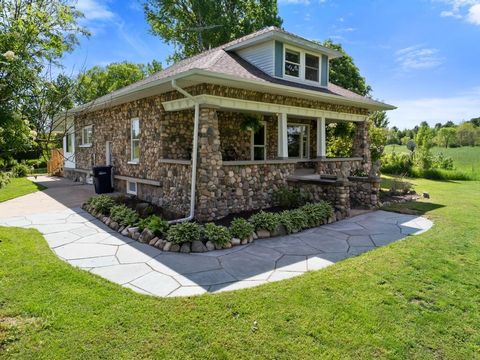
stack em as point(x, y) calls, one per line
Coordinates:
point(253, 146)
point(301, 78)
point(300, 66)
point(132, 160)
point(85, 144)
point(131, 192)
point(318, 67)
point(307, 134)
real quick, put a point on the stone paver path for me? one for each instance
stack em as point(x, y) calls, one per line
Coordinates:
point(85, 242)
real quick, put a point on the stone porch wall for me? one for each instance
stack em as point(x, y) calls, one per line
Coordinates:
point(364, 192)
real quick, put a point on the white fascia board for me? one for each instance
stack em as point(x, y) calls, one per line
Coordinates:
point(256, 106)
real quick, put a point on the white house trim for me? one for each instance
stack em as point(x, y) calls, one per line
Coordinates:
point(321, 145)
point(248, 105)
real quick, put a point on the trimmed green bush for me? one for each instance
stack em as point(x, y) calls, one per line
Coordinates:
point(293, 220)
point(4, 179)
point(123, 215)
point(155, 224)
point(102, 203)
point(264, 220)
point(219, 235)
point(184, 232)
point(241, 228)
point(20, 170)
point(315, 214)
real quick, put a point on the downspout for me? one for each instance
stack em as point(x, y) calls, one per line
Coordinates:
point(194, 153)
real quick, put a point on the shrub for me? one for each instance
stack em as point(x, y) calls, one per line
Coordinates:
point(264, 220)
point(396, 163)
point(123, 215)
point(399, 186)
point(241, 228)
point(293, 220)
point(287, 198)
point(219, 235)
point(20, 170)
point(155, 224)
point(316, 213)
point(441, 161)
point(4, 179)
point(102, 203)
point(184, 232)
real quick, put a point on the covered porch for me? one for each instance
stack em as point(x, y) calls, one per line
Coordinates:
point(240, 169)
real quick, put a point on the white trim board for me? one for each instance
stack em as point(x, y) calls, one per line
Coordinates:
point(248, 105)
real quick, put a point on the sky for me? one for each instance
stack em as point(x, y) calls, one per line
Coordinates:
point(422, 56)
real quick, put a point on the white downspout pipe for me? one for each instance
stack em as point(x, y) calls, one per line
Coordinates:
point(194, 153)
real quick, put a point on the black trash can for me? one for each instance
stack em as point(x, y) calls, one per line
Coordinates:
point(102, 179)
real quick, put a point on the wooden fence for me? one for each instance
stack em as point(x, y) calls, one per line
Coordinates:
point(55, 164)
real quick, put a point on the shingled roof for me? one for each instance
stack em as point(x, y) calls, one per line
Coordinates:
point(221, 61)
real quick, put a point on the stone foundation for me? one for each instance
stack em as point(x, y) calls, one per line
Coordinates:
point(364, 192)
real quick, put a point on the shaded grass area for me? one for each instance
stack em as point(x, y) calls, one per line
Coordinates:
point(18, 187)
point(418, 298)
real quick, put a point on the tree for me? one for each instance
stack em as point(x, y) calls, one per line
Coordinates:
point(475, 121)
point(194, 26)
point(99, 81)
point(467, 134)
point(446, 135)
point(344, 72)
point(379, 119)
point(33, 34)
point(424, 137)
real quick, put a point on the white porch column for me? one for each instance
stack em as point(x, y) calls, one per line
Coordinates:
point(282, 136)
point(321, 147)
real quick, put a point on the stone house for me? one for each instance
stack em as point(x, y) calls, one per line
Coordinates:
point(182, 130)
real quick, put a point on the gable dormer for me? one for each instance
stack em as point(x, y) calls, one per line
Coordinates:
point(286, 56)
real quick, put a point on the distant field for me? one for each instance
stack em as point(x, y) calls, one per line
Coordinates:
point(465, 159)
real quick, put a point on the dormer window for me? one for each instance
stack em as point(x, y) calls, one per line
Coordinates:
point(311, 67)
point(292, 63)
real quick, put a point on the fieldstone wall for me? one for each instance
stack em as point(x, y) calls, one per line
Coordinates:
point(334, 167)
point(361, 145)
point(365, 192)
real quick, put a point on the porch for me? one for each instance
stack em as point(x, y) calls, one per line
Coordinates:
point(240, 169)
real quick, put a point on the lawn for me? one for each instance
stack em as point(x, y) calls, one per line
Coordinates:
point(466, 159)
point(417, 299)
point(18, 187)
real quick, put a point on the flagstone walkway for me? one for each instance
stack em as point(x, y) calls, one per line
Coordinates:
point(83, 241)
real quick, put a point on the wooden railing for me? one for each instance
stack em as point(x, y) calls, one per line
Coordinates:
point(55, 164)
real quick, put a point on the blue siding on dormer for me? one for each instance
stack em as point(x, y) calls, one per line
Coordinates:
point(278, 59)
point(324, 75)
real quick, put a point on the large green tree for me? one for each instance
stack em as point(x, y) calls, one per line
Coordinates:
point(33, 34)
point(193, 26)
point(99, 81)
point(344, 72)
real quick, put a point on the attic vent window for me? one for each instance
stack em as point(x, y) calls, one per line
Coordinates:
point(311, 67)
point(292, 63)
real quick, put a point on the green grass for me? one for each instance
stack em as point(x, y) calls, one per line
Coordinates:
point(18, 187)
point(416, 299)
point(466, 160)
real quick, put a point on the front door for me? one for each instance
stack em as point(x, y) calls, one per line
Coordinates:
point(297, 135)
point(69, 148)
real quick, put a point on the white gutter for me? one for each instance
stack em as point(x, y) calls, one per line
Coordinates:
point(194, 154)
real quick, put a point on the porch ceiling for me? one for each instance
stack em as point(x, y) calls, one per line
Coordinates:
point(255, 106)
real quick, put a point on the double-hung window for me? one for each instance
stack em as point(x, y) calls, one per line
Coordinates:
point(311, 67)
point(135, 140)
point(87, 135)
point(292, 63)
point(259, 139)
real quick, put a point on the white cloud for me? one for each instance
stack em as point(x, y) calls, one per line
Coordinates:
point(418, 57)
point(462, 9)
point(94, 10)
point(474, 14)
point(411, 112)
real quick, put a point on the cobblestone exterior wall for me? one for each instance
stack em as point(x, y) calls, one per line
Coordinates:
point(334, 167)
point(361, 145)
point(365, 192)
point(220, 189)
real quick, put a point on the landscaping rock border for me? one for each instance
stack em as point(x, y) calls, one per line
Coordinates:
point(147, 237)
